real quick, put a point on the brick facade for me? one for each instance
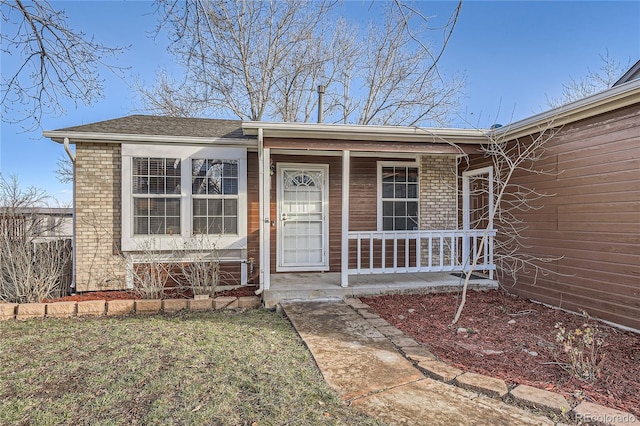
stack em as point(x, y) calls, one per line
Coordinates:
point(438, 198)
point(99, 265)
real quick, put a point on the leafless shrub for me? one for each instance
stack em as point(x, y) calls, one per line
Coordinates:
point(151, 272)
point(31, 269)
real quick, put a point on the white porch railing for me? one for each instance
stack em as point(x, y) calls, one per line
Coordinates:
point(385, 252)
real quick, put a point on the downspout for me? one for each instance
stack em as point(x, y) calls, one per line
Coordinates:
point(72, 157)
point(261, 173)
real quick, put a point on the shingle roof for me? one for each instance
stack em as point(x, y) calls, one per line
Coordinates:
point(164, 126)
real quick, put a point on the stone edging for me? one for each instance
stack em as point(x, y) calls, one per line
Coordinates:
point(553, 404)
point(23, 311)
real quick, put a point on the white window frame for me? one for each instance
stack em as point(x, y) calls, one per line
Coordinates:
point(186, 240)
point(381, 164)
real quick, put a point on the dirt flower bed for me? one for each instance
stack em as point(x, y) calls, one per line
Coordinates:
point(513, 339)
point(129, 295)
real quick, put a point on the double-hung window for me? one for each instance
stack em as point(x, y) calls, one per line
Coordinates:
point(156, 196)
point(398, 194)
point(214, 189)
point(177, 196)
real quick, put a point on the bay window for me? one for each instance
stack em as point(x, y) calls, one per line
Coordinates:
point(175, 196)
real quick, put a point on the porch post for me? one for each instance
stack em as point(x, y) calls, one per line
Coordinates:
point(344, 264)
point(264, 187)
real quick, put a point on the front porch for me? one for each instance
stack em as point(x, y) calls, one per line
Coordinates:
point(318, 285)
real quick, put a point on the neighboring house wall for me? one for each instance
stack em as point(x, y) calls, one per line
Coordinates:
point(592, 221)
point(98, 199)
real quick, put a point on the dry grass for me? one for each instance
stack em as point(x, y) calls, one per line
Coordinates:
point(215, 368)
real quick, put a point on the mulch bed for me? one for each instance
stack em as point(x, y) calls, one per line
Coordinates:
point(129, 295)
point(513, 339)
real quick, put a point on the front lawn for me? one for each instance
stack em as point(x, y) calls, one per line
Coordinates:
point(210, 368)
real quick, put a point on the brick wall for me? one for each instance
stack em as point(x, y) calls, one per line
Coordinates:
point(99, 265)
point(438, 199)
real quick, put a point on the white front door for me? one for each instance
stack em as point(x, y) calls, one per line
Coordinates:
point(303, 211)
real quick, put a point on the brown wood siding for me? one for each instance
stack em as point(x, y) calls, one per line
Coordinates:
point(592, 221)
point(253, 216)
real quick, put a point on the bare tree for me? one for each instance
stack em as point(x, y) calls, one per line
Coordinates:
point(264, 60)
point(56, 63)
point(593, 82)
point(509, 158)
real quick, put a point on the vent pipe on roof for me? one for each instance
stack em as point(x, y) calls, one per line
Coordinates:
point(320, 102)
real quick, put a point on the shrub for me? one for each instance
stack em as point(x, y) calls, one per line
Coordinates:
point(580, 348)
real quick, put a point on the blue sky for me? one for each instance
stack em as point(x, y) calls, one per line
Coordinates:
point(515, 54)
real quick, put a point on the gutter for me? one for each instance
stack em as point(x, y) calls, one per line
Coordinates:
point(72, 157)
point(59, 136)
point(614, 98)
point(261, 173)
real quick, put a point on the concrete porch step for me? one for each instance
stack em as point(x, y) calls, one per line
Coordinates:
point(309, 286)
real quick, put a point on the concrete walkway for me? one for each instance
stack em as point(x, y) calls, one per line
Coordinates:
point(367, 371)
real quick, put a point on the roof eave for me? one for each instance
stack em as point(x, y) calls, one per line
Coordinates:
point(608, 100)
point(74, 137)
point(364, 133)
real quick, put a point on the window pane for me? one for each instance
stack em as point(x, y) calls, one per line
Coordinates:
point(400, 208)
point(230, 168)
point(387, 208)
point(401, 190)
point(215, 207)
point(412, 191)
point(156, 207)
point(198, 168)
point(156, 167)
point(387, 224)
point(173, 207)
point(173, 226)
point(230, 186)
point(400, 224)
point(199, 225)
point(198, 186)
point(141, 225)
point(141, 207)
point(412, 222)
point(141, 166)
point(214, 185)
point(387, 190)
point(401, 174)
point(388, 174)
point(199, 207)
point(173, 167)
point(173, 185)
point(156, 185)
point(230, 207)
point(140, 185)
point(156, 225)
point(230, 225)
point(412, 174)
point(412, 208)
point(215, 225)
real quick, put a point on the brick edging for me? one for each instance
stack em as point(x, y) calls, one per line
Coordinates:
point(24, 311)
point(552, 404)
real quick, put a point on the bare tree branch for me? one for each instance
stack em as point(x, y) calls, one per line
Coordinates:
point(264, 60)
point(593, 82)
point(55, 63)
